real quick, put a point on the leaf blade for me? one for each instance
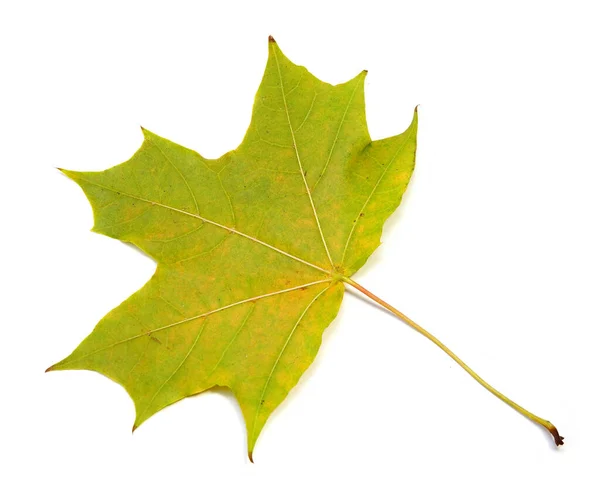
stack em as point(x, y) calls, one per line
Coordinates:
point(249, 247)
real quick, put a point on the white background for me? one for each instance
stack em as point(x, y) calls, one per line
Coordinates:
point(495, 249)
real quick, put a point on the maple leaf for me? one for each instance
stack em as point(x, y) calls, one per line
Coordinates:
point(253, 249)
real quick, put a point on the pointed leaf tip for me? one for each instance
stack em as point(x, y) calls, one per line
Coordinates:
point(69, 174)
point(271, 39)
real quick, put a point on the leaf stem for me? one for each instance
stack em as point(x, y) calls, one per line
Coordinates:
point(544, 423)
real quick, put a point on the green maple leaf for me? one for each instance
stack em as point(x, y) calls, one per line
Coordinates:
point(253, 249)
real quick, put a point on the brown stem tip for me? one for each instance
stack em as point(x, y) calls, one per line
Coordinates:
point(271, 39)
point(558, 439)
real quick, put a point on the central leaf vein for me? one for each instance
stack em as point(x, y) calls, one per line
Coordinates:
point(203, 315)
point(206, 220)
point(312, 204)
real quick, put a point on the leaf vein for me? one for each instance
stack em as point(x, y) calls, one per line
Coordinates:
point(307, 113)
point(238, 331)
point(205, 314)
point(287, 341)
point(312, 204)
point(200, 331)
point(408, 137)
point(178, 172)
point(124, 222)
point(337, 134)
point(206, 220)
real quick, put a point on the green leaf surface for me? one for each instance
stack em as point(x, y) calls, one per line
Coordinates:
point(251, 248)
